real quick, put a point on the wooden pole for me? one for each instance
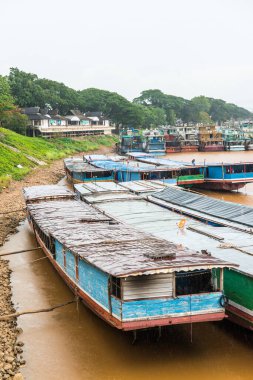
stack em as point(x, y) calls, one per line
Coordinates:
point(221, 278)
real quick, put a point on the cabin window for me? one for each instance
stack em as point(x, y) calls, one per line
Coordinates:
point(238, 169)
point(116, 287)
point(249, 168)
point(195, 282)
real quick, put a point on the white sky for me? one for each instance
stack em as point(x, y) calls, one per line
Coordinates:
point(183, 47)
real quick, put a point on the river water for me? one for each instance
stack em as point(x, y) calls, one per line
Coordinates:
point(71, 343)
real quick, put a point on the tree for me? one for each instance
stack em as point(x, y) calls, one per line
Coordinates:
point(10, 116)
point(171, 105)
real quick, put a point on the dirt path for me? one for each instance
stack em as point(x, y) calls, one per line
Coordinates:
point(11, 199)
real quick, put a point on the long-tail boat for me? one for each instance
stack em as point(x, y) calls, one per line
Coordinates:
point(130, 279)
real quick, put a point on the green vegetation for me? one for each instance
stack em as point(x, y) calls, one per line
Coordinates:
point(45, 150)
point(10, 116)
point(199, 109)
point(152, 108)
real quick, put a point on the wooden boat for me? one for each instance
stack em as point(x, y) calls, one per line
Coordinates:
point(189, 147)
point(227, 176)
point(210, 140)
point(172, 143)
point(130, 141)
point(154, 142)
point(79, 171)
point(220, 176)
point(150, 168)
point(225, 228)
point(233, 138)
point(130, 279)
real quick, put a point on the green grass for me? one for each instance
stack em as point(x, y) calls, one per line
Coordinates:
point(46, 150)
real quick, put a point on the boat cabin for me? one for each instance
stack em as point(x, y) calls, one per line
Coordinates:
point(79, 171)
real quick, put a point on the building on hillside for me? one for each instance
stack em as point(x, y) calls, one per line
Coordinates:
point(50, 124)
point(39, 118)
point(97, 118)
point(56, 119)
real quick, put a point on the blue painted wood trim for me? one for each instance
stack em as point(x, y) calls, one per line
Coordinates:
point(180, 306)
point(91, 280)
point(116, 307)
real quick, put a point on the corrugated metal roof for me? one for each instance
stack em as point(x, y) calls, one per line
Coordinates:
point(163, 223)
point(209, 206)
point(78, 165)
point(95, 157)
point(140, 187)
point(167, 162)
point(98, 187)
point(114, 248)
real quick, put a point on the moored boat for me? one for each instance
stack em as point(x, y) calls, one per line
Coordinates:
point(77, 170)
point(227, 176)
point(210, 139)
point(130, 141)
point(130, 279)
point(184, 217)
point(150, 168)
point(154, 142)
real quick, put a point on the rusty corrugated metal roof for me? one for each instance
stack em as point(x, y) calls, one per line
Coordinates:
point(113, 247)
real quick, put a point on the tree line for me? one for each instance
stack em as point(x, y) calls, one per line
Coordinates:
point(151, 109)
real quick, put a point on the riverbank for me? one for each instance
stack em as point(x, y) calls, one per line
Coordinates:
point(12, 206)
point(19, 155)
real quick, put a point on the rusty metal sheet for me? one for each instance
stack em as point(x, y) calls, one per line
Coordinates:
point(113, 247)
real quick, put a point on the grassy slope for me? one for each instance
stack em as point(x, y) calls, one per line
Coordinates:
point(46, 150)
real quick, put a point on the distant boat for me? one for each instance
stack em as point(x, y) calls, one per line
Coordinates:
point(210, 140)
point(131, 140)
point(154, 141)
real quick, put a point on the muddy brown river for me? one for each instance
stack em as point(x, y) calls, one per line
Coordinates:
point(73, 344)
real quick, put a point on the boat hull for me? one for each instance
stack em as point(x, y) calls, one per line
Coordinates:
point(221, 185)
point(238, 287)
point(190, 148)
point(211, 148)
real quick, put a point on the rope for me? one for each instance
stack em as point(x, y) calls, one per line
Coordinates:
point(24, 250)
point(36, 311)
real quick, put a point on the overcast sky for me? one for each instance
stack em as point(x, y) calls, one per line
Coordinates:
point(183, 47)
